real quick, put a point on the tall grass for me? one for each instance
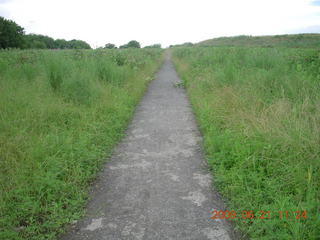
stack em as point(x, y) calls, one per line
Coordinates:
point(259, 112)
point(61, 113)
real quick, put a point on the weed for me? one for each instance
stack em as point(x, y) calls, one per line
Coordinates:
point(56, 72)
point(179, 85)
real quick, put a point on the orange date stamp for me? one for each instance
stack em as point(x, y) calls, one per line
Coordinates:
point(250, 214)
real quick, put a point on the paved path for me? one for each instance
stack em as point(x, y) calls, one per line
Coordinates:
point(156, 185)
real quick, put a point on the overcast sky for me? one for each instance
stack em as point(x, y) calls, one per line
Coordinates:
point(161, 21)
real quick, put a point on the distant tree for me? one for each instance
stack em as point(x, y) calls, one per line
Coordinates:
point(11, 34)
point(186, 44)
point(36, 44)
point(153, 46)
point(124, 46)
point(61, 44)
point(39, 41)
point(78, 44)
point(133, 44)
point(110, 46)
point(50, 43)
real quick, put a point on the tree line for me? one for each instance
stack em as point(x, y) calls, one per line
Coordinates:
point(12, 36)
point(131, 44)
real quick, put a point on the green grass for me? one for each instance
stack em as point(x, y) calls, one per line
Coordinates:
point(259, 112)
point(61, 114)
point(288, 40)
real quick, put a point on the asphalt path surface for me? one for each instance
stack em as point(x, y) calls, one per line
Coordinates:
point(156, 184)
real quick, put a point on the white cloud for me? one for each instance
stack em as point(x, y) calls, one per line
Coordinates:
point(154, 21)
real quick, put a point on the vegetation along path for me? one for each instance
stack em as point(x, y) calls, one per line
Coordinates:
point(156, 185)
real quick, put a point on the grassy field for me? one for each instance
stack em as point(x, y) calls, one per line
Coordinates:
point(61, 113)
point(292, 40)
point(259, 112)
